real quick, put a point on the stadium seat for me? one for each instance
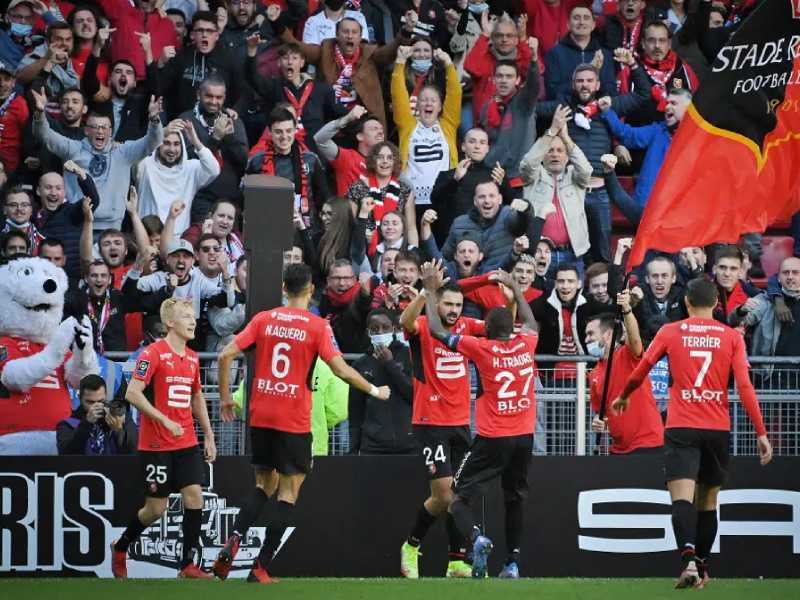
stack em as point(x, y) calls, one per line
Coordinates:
point(775, 249)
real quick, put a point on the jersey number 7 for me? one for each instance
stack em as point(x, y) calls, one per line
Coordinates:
point(701, 375)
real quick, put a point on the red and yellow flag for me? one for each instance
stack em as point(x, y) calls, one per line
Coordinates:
point(734, 164)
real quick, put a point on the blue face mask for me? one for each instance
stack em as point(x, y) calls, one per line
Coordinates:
point(421, 65)
point(21, 29)
point(477, 9)
point(381, 339)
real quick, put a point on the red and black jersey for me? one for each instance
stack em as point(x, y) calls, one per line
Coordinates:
point(441, 377)
point(702, 354)
point(287, 341)
point(171, 380)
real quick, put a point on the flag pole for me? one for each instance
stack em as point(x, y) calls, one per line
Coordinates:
point(616, 333)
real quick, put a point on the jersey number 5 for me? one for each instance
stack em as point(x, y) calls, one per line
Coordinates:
point(179, 396)
point(450, 367)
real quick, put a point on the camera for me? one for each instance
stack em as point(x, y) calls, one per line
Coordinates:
point(116, 408)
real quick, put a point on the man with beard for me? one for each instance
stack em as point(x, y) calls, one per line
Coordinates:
point(314, 101)
point(181, 77)
point(322, 25)
point(69, 124)
point(454, 190)
point(130, 19)
point(579, 46)
point(666, 72)
point(14, 116)
point(349, 165)
point(440, 417)
point(18, 209)
point(107, 162)
point(655, 139)
point(287, 157)
point(220, 131)
point(348, 63)
point(129, 97)
point(168, 174)
point(591, 134)
point(183, 279)
point(58, 219)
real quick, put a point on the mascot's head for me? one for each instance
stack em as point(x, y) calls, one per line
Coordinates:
point(31, 298)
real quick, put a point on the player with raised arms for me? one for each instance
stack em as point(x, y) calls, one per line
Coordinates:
point(165, 388)
point(505, 416)
point(287, 341)
point(440, 417)
point(702, 354)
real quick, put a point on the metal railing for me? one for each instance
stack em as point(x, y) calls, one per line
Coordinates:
point(564, 414)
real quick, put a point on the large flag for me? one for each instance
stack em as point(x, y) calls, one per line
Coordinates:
point(734, 164)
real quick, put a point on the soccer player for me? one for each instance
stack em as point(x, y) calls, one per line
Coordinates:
point(639, 430)
point(440, 417)
point(702, 354)
point(505, 418)
point(287, 341)
point(165, 388)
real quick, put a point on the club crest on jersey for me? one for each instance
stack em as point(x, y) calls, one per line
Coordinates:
point(142, 367)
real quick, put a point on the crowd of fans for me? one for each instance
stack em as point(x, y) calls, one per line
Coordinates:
point(489, 135)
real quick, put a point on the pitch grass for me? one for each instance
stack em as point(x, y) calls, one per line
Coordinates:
point(395, 589)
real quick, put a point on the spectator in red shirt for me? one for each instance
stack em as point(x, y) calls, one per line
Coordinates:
point(633, 432)
point(85, 31)
point(506, 44)
point(144, 17)
point(14, 115)
point(349, 165)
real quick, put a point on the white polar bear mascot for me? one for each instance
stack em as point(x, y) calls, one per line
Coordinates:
point(39, 355)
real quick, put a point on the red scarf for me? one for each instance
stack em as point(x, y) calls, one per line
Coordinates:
point(300, 168)
point(344, 88)
point(340, 300)
point(299, 104)
point(735, 298)
point(497, 108)
point(590, 109)
point(630, 41)
point(660, 72)
point(386, 199)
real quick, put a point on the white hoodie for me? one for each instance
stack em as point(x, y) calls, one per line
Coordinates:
point(159, 185)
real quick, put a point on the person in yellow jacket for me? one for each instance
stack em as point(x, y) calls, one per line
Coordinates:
point(427, 141)
point(328, 405)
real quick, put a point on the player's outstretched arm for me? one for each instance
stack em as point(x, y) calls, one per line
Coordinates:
point(748, 398)
point(433, 278)
point(135, 397)
point(344, 371)
point(408, 319)
point(224, 360)
point(200, 412)
point(633, 338)
point(525, 312)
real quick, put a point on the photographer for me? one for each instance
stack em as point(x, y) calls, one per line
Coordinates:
point(99, 426)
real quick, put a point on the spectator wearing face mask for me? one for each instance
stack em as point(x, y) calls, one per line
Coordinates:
point(640, 432)
point(383, 426)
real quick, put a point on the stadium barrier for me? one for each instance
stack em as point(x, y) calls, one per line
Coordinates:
point(564, 422)
point(587, 517)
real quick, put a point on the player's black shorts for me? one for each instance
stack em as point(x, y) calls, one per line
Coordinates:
point(699, 454)
point(652, 451)
point(442, 447)
point(287, 453)
point(171, 471)
point(487, 458)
